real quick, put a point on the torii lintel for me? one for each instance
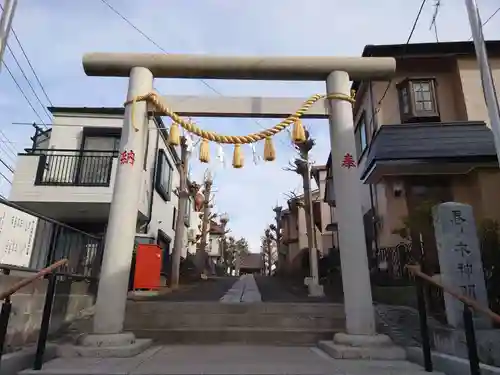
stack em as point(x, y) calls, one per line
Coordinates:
point(300, 68)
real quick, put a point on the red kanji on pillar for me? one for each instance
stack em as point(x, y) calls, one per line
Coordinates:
point(127, 157)
point(348, 161)
point(131, 157)
point(123, 157)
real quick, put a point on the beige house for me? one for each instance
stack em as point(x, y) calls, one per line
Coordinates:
point(294, 228)
point(423, 138)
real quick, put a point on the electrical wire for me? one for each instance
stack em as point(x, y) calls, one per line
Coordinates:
point(6, 165)
point(28, 81)
point(406, 44)
point(22, 71)
point(23, 93)
point(488, 20)
point(31, 67)
point(114, 10)
point(412, 31)
point(9, 145)
point(5, 178)
point(437, 6)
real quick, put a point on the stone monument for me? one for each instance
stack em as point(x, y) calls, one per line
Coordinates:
point(459, 259)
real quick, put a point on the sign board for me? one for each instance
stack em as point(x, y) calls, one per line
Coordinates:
point(17, 235)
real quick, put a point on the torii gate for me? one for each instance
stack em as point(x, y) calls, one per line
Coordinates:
point(142, 68)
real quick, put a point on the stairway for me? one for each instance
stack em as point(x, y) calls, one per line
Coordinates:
point(244, 323)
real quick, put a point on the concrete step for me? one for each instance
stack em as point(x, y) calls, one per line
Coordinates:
point(167, 321)
point(215, 322)
point(237, 335)
point(162, 307)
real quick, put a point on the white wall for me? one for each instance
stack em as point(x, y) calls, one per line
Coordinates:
point(69, 136)
point(24, 190)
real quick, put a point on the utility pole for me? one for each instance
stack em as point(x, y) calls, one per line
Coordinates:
point(277, 230)
point(487, 82)
point(224, 219)
point(201, 253)
point(179, 221)
point(9, 8)
point(303, 168)
point(268, 250)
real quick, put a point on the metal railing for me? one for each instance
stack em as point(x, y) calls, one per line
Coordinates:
point(390, 265)
point(50, 273)
point(469, 306)
point(74, 167)
point(52, 240)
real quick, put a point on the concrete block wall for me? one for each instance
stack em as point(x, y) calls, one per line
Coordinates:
point(27, 307)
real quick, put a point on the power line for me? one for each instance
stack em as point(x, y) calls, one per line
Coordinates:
point(105, 2)
point(31, 67)
point(406, 44)
point(5, 178)
point(28, 81)
point(11, 149)
point(488, 20)
point(437, 6)
point(7, 165)
point(23, 93)
point(490, 17)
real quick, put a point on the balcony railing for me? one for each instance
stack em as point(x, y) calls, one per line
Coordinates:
point(74, 167)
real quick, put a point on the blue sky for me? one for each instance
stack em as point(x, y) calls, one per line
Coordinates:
point(56, 33)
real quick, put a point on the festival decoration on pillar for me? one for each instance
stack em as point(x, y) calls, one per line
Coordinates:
point(298, 133)
point(348, 161)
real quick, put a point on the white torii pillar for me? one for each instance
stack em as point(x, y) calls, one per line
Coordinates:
point(108, 338)
point(360, 339)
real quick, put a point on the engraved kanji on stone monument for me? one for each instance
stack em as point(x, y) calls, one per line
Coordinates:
point(459, 258)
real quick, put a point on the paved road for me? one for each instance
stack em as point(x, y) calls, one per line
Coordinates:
point(204, 291)
point(274, 289)
point(226, 359)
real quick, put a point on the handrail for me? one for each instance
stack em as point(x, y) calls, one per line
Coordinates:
point(415, 270)
point(14, 288)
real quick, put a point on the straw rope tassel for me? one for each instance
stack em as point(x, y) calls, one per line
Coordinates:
point(204, 151)
point(174, 137)
point(269, 151)
point(298, 132)
point(237, 157)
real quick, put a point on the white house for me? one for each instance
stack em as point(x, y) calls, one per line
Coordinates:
point(68, 175)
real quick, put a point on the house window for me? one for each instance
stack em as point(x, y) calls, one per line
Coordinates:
point(361, 136)
point(418, 100)
point(163, 183)
point(187, 214)
point(96, 160)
